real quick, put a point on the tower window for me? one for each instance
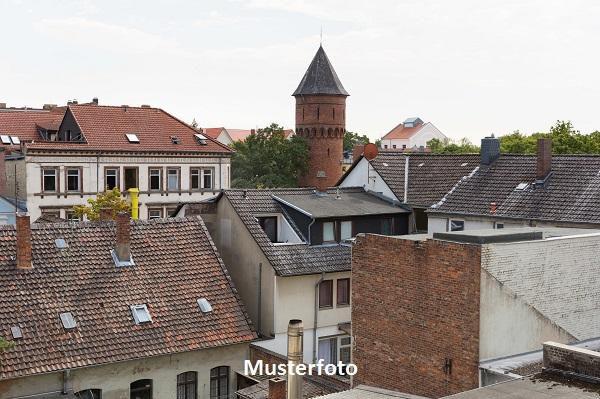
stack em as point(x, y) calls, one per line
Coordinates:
point(303, 113)
point(333, 113)
point(327, 151)
point(318, 113)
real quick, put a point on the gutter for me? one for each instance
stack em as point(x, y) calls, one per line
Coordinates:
point(315, 321)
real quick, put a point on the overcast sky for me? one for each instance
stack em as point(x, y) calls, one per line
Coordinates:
point(472, 67)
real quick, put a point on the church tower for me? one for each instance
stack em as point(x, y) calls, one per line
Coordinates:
point(321, 119)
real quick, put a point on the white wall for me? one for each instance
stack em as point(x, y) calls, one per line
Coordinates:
point(114, 379)
point(426, 133)
point(438, 224)
point(363, 175)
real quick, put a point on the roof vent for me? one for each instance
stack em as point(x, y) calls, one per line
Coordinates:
point(421, 164)
point(175, 140)
point(141, 314)
point(16, 332)
point(200, 138)
point(204, 305)
point(132, 137)
point(61, 243)
point(68, 321)
point(5, 139)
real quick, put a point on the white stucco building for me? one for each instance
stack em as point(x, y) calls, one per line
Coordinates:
point(411, 135)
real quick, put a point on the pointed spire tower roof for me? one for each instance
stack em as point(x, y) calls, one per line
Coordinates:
point(320, 78)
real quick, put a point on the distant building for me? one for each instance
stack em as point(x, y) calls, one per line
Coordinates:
point(411, 135)
point(63, 156)
point(321, 119)
point(118, 310)
point(433, 308)
point(218, 133)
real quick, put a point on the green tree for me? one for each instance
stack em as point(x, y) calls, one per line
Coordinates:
point(351, 139)
point(4, 344)
point(109, 199)
point(447, 146)
point(266, 159)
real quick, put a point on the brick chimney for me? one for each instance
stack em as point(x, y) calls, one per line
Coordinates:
point(357, 151)
point(106, 214)
point(277, 388)
point(490, 150)
point(24, 255)
point(123, 244)
point(2, 172)
point(544, 158)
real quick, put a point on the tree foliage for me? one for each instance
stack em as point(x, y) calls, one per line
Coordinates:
point(447, 146)
point(266, 159)
point(351, 139)
point(4, 344)
point(109, 199)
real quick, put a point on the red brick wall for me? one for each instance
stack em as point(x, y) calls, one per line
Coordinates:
point(322, 121)
point(415, 304)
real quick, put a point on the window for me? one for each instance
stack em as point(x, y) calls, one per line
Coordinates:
point(200, 138)
point(111, 178)
point(72, 217)
point(141, 314)
point(386, 226)
point(219, 383)
point(334, 349)
point(346, 230)
point(187, 385)
point(155, 213)
point(73, 179)
point(172, 179)
point(140, 389)
point(89, 394)
point(132, 138)
point(155, 179)
point(48, 214)
point(50, 180)
point(404, 146)
point(394, 146)
point(170, 211)
point(343, 291)
point(204, 305)
point(326, 294)
point(269, 225)
point(5, 139)
point(499, 225)
point(195, 179)
point(207, 178)
point(328, 232)
point(345, 349)
point(385, 146)
point(131, 178)
point(457, 225)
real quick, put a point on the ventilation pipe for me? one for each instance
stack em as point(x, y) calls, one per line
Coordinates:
point(123, 246)
point(294, 355)
point(24, 253)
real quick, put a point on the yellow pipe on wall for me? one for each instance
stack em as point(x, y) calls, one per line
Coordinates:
point(134, 194)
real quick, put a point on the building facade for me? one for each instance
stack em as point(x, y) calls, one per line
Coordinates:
point(411, 135)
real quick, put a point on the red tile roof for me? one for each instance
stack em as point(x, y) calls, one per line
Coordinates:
point(213, 132)
point(23, 123)
point(239, 134)
point(176, 263)
point(401, 132)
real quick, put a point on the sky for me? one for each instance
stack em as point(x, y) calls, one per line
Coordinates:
point(472, 67)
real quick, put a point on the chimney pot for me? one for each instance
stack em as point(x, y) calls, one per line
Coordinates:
point(493, 208)
point(277, 388)
point(2, 105)
point(544, 158)
point(24, 254)
point(123, 244)
point(49, 106)
point(490, 150)
point(95, 100)
point(295, 351)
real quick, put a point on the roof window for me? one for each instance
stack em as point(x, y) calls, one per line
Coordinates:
point(141, 314)
point(15, 140)
point(175, 140)
point(5, 139)
point(61, 243)
point(204, 305)
point(16, 332)
point(68, 321)
point(200, 138)
point(464, 164)
point(521, 186)
point(132, 138)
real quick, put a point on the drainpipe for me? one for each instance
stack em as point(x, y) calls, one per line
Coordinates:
point(406, 179)
point(66, 381)
point(315, 321)
point(259, 316)
point(309, 228)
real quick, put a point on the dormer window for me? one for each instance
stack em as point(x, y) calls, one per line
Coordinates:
point(141, 314)
point(269, 225)
point(201, 139)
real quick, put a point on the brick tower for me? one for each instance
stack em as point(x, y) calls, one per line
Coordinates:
point(321, 119)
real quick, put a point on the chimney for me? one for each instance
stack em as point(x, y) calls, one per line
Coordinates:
point(277, 388)
point(357, 151)
point(123, 245)
point(252, 131)
point(544, 159)
point(2, 105)
point(95, 100)
point(490, 150)
point(24, 255)
point(294, 355)
point(106, 214)
point(493, 208)
point(49, 106)
point(2, 172)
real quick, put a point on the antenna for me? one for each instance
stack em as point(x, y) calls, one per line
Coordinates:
point(321, 41)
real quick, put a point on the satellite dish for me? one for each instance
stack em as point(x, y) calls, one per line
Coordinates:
point(370, 151)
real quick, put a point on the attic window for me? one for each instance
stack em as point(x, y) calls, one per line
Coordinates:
point(132, 138)
point(141, 314)
point(385, 164)
point(16, 332)
point(200, 138)
point(175, 140)
point(204, 305)
point(5, 139)
point(61, 243)
point(521, 186)
point(15, 140)
point(68, 321)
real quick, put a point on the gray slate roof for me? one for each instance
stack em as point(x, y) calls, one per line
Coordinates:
point(348, 204)
point(430, 176)
point(368, 392)
point(571, 194)
point(294, 259)
point(320, 78)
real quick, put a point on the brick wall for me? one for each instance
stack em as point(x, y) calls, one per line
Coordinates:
point(571, 359)
point(415, 309)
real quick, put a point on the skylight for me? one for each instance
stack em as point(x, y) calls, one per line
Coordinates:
point(68, 321)
point(464, 164)
point(61, 243)
point(204, 305)
point(15, 140)
point(421, 164)
point(200, 138)
point(141, 314)
point(16, 332)
point(522, 186)
point(5, 139)
point(132, 137)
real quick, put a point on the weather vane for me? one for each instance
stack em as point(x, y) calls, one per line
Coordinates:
point(321, 41)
